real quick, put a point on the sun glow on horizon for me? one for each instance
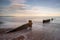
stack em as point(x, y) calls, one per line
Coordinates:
point(31, 14)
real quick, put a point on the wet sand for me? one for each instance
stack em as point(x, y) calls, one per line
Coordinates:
point(38, 32)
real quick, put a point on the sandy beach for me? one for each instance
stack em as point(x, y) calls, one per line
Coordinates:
point(41, 32)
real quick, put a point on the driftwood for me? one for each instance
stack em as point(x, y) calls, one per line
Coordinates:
point(25, 26)
point(19, 28)
point(47, 20)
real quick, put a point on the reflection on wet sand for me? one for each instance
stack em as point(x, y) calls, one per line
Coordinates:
point(41, 32)
point(1, 22)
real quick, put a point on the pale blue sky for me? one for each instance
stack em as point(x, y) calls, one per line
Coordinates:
point(47, 3)
point(50, 5)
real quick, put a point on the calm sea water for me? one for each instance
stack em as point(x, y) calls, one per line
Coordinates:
point(52, 28)
point(13, 22)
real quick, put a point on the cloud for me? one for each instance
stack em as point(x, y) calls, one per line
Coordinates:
point(17, 1)
point(14, 8)
point(17, 6)
point(37, 11)
point(44, 9)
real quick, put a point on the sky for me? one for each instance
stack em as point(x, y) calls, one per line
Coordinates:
point(29, 7)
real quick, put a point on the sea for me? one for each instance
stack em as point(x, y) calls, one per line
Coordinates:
point(13, 22)
point(52, 28)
